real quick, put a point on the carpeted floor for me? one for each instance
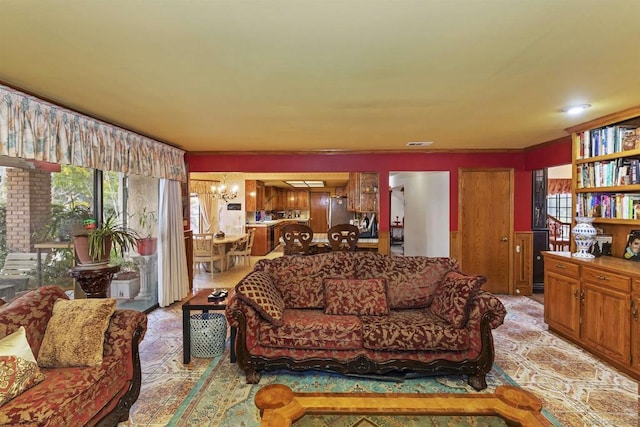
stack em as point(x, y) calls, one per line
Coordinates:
point(222, 398)
point(576, 388)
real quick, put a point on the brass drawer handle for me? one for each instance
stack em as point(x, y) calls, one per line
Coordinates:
point(602, 277)
point(561, 266)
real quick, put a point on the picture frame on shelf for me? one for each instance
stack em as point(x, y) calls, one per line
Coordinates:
point(632, 250)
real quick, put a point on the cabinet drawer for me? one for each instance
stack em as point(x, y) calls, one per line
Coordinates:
point(561, 267)
point(605, 278)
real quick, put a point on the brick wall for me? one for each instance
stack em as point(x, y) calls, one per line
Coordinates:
point(28, 206)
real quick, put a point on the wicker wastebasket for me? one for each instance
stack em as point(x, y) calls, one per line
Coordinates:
point(208, 334)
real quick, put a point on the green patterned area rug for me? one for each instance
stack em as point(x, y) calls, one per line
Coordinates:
point(222, 398)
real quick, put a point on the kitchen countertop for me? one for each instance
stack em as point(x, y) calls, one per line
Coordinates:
point(276, 221)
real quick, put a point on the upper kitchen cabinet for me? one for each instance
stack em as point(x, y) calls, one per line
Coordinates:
point(362, 192)
point(254, 195)
point(271, 198)
point(298, 199)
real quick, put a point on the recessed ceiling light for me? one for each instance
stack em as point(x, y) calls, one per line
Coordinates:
point(306, 184)
point(419, 143)
point(576, 109)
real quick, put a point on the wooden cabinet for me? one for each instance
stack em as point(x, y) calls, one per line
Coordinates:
point(606, 319)
point(297, 199)
point(635, 326)
point(362, 192)
point(260, 241)
point(562, 297)
point(606, 174)
point(591, 302)
point(302, 199)
point(254, 195)
point(271, 198)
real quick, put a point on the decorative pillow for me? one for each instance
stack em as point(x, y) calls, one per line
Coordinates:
point(360, 297)
point(75, 333)
point(18, 368)
point(258, 291)
point(16, 344)
point(451, 299)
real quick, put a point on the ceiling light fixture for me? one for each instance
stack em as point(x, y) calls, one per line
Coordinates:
point(572, 110)
point(306, 184)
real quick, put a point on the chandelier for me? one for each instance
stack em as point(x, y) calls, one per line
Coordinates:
point(223, 192)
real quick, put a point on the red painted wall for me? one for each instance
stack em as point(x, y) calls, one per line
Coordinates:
point(400, 162)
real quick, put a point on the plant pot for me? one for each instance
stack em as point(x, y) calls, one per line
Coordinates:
point(81, 246)
point(147, 246)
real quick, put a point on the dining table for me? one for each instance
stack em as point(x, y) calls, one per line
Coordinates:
point(223, 244)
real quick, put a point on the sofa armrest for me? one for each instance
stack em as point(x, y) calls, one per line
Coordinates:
point(485, 302)
point(125, 327)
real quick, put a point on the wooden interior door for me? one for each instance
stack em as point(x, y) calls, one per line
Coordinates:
point(319, 212)
point(485, 222)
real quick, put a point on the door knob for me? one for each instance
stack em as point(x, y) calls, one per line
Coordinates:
point(505, 239)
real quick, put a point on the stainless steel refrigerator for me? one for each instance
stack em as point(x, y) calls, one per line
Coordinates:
point(338, 213)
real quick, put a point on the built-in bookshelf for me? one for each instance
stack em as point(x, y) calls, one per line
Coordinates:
point(606, 172)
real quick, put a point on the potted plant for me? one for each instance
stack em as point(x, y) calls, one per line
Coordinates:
point(95, 246)
point(66, 221)
point(148, 222)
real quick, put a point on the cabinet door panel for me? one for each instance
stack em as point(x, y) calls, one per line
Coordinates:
point(635, 333)
point(606, 321)
point(562, 304)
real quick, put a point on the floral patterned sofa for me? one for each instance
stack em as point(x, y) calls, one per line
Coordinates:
point(74, 396)
point(364, 313)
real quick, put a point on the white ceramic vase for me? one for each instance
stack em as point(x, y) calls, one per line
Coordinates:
point(584, 235)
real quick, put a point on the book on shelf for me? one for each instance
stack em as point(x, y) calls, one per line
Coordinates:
point(607, 140)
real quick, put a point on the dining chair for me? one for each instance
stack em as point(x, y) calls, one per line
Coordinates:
point(298, 239)
point(205, 252)
point(242, 249)
point(343, 237)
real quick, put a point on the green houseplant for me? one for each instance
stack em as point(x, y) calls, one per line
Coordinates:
point(95, 246)
point(148, 222)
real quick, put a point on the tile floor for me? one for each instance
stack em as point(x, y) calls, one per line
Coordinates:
point(166, 381)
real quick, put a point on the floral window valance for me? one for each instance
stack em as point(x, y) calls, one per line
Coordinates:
point(558, 186)
point(33, 129)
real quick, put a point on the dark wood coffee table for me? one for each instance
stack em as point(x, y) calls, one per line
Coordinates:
point(199, 302)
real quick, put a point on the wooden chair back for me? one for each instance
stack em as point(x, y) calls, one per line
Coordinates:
point(343, 237)
point(297, 239)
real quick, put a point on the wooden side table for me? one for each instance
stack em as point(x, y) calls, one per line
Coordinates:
point(94, 282)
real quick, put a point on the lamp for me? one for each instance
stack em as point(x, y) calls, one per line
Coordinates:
point(224, 193)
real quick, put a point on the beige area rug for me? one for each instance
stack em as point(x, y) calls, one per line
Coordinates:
point(576, 387)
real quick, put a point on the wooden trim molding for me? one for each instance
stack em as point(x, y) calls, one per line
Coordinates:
point(523, 262)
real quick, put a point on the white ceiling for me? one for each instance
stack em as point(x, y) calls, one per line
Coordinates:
point(328, 75)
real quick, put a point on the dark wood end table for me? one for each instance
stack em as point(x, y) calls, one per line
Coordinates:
point(199, 302)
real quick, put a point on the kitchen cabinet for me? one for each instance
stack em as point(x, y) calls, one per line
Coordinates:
point(270, 198)
point(302, 199)
point(260, 243)
point(362, 192)
point(253, 195)
point(593, 302)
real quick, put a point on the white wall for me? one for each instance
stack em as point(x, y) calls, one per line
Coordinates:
point(426, 212)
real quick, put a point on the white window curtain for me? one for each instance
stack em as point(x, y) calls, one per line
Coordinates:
point(206, 210)
point(173, 277)
point(203, 189)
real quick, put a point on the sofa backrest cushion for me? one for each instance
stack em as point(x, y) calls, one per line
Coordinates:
point(75, 333)
point(358, 297)
point(411, 280)
point(257, 290)
point(299, 278)
point(452, 298)
point(33, 311)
